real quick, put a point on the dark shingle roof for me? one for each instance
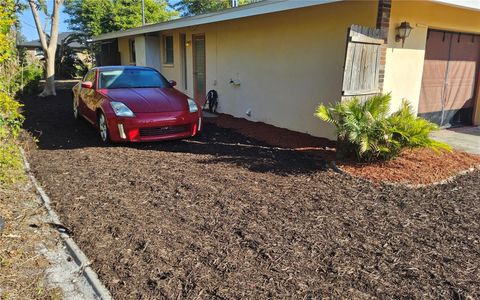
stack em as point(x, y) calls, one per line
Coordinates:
point(61, 36)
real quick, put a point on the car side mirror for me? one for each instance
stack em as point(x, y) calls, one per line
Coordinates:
point(87, 84)
point(172, 83)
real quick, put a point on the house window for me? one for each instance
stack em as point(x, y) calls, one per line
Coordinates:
point(131, 47)
point(38, 52)
point(168, 50)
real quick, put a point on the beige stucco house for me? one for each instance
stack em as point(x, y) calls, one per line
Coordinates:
point(276, 60)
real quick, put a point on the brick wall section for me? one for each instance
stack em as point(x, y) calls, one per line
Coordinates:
point(383, 23)
point(383, 17)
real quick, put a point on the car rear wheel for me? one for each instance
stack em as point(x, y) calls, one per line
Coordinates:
point(103, 128)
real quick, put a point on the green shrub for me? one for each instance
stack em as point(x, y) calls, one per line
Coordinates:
point(32, 74)
point(366, 131)
point(10, 163)
point(411, 131)
point(67, 63)
point(10, 125)
point(10, 117)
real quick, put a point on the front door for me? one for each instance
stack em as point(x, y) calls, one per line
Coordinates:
point(199, 82)
point(450, 72)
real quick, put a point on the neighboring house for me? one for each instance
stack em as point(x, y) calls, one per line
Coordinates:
point(276, 60)
point(34, 50)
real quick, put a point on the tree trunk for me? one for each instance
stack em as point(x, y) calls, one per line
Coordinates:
point(49, 47)
point(49, 88)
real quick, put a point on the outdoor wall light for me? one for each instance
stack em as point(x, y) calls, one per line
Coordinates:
point(188, 43)
point(403, 31)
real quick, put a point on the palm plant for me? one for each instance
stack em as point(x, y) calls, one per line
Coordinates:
point(365, 130)
point(412, 131)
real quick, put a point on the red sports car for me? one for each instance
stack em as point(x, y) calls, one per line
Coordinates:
point(135, 104)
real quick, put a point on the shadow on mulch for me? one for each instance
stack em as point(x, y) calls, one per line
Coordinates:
point(50, 120)
point(412, 166)
point(280, 137)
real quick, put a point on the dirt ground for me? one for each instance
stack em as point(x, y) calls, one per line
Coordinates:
point(23, 236)
point(224, 216)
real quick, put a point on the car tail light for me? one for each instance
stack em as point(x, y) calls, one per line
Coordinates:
point(133, 134)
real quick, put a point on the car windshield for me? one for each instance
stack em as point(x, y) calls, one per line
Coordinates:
point(131, 78)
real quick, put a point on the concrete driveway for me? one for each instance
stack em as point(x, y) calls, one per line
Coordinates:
point(463, 138)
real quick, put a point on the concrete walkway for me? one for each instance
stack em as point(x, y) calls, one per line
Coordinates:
point(463, 138)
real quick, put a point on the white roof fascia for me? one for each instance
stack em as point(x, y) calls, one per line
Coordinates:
point(255, 9)
point(467, 4)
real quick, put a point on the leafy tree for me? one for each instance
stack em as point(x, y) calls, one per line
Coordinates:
point(197, 7)
point(94, 17)
point(91, 17)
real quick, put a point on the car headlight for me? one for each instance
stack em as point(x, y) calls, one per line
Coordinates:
point(192, 106)
point(121, 110)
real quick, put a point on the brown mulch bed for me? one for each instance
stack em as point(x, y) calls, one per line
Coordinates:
point(276, 136)
point(224, 216)
point(413, 166)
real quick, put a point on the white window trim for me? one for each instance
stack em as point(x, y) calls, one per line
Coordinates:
point(164, 48)
point(131, 42)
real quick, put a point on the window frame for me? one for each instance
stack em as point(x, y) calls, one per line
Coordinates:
point(131, 51)
point(165, 55)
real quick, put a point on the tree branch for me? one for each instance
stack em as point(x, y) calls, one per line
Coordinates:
point(41, 33)
point(54, 27)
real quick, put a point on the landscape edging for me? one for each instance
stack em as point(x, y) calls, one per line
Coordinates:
point(75, 252)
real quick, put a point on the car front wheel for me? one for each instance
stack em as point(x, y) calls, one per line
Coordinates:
point(103, 128)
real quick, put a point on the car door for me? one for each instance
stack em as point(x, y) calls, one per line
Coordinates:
point(86, 95)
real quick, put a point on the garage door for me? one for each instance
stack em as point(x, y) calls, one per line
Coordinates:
point(450, 73)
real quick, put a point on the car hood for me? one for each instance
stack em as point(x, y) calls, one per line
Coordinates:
point(149, 100)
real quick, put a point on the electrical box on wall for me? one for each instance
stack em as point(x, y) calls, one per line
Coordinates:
point(235, 82)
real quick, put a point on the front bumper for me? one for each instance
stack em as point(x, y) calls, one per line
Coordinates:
point(147, 127)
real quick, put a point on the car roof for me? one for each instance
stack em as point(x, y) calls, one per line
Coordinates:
point(110, 68)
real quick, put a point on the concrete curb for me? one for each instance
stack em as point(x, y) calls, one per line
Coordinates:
point(75, 252)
